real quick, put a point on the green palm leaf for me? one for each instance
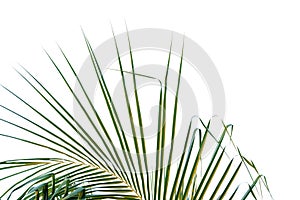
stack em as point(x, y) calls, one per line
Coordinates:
point(88, 170)
point(68, 176)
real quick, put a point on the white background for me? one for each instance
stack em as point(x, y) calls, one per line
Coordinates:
point(254, 44)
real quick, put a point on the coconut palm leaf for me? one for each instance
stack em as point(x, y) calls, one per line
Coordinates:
point(109, 164)
point(53, 174)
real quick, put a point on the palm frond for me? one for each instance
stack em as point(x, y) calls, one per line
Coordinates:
point(109, 164)
point(64, 179)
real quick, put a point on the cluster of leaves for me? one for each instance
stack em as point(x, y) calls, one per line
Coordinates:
point(91, 171)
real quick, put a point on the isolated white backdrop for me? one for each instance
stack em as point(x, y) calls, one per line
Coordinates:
point(255, 46)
